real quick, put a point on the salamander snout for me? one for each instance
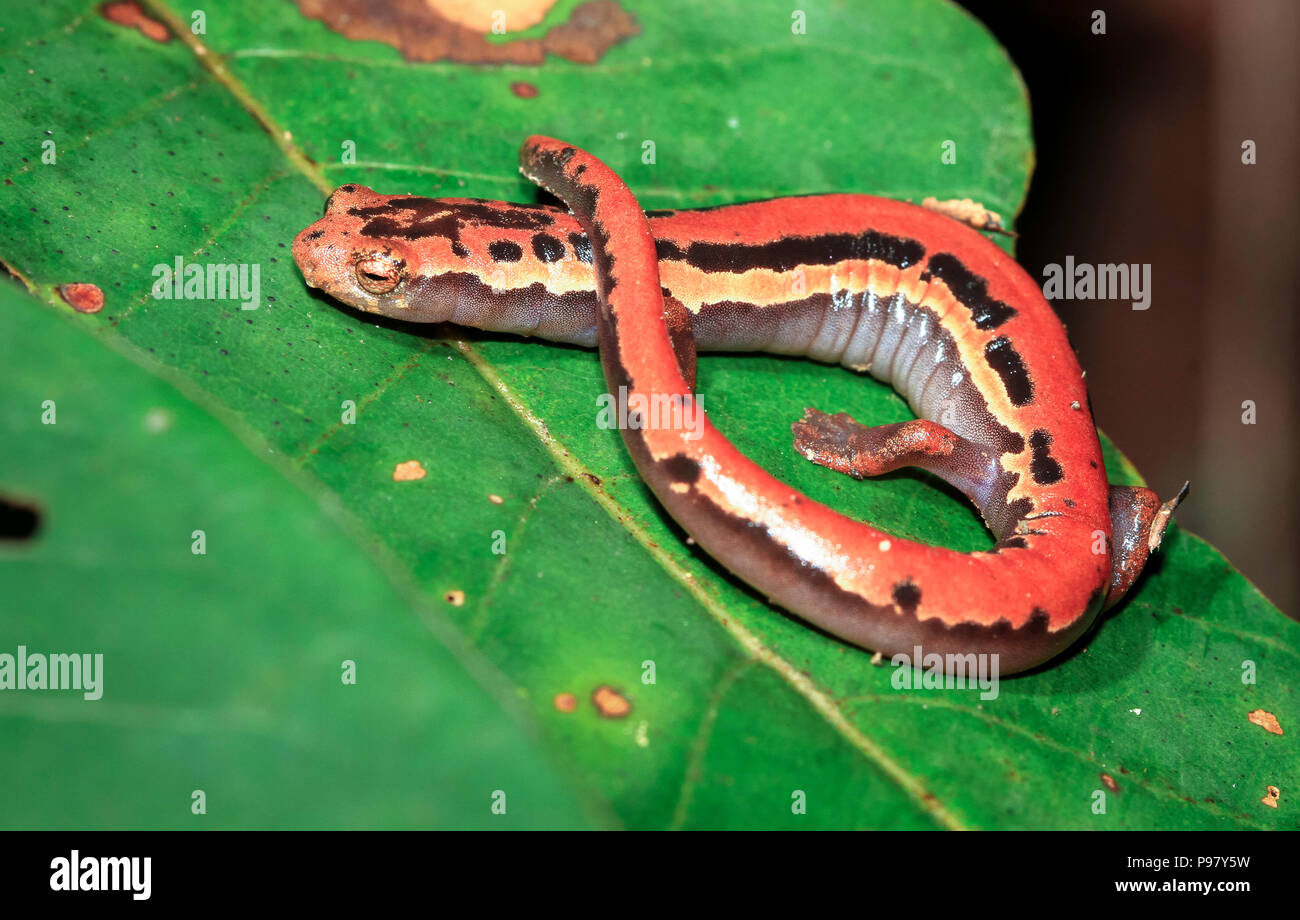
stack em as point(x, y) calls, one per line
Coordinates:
point(342, 256)
point(369, 277)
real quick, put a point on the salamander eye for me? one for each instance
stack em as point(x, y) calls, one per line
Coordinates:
point(379, 274)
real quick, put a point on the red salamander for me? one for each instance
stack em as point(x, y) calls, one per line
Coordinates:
point(913, 297)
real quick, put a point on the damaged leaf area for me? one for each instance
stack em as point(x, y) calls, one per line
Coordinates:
point(455, 30)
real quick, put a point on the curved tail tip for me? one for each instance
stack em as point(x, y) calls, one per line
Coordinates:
point(1161, 520)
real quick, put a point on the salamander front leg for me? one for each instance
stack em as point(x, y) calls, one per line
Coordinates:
point(839, 443)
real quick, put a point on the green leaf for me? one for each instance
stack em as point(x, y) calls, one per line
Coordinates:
point(164, 151)
point(221, 671)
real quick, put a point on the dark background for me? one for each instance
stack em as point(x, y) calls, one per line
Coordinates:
point(1139, 135)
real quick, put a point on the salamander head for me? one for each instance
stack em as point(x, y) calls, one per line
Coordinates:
point(432, 259)
point(377, 252)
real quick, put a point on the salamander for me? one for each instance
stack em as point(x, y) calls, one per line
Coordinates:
point(912, 297)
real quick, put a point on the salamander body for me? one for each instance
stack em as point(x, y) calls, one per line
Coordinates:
point(912, 297)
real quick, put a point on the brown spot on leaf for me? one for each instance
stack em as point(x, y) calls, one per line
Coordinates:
point(496, 499)
point(1265, 720)
point(1110, 782)
point(455, 597)
point(480, 15)
point(610, 703)
point(408, 471)
point(565, 702)
point(1271, 796)
point(968, 212)
point(84, 298)
point(524, 90)
point(423, 32)
point(128, 13)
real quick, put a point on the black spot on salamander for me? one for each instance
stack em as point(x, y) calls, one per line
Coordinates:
point(1019, 508)
point(661, 212)
point(1092, 463)
point(1069, 503)
point(315, 234)
point(547, 248)
point(503, 216)
point(581, 247)
point(566, 155)
point(582, 168)
point(970, 290)
point(348, 188)
point(668, 251)
point(1003, 358)
point(505, 251)
point(385, 223)
point(458, 249)
point(413, 217)
point(682, 469)
point(791, 252)
point(1014, 543)
point(1043, 466)
point(907, 596)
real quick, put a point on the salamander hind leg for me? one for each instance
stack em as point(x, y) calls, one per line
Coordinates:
point(839, 443)
point(1138, 520)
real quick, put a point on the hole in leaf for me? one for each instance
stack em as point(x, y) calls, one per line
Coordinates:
point(18, 521)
